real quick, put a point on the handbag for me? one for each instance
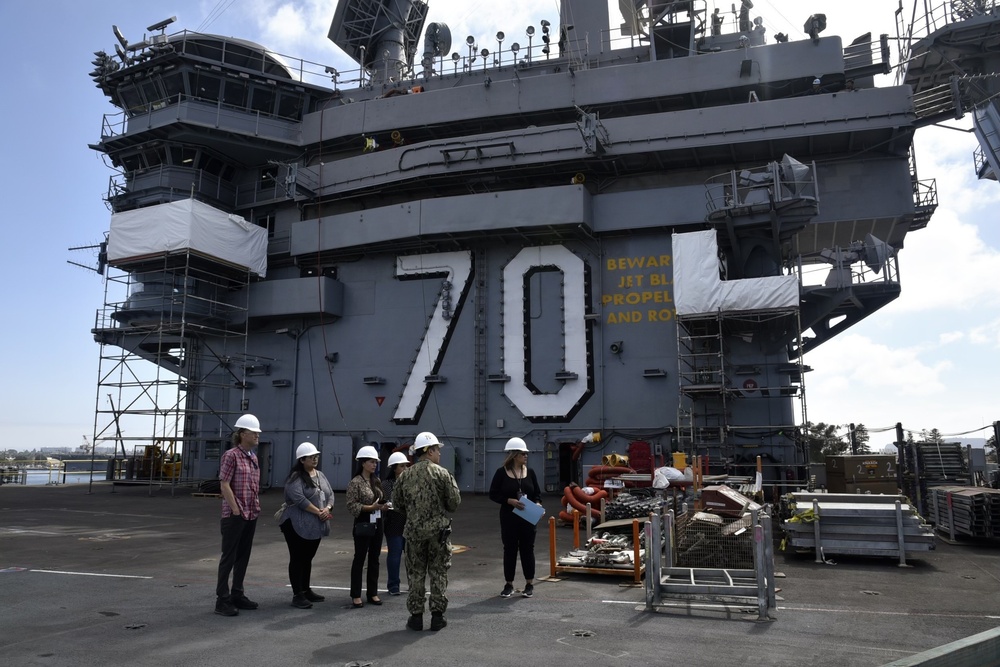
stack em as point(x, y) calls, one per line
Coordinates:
point(365, 529)
point(281, 510)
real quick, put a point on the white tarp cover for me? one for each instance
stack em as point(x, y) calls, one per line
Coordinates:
point(699, 290)
point(187, 225)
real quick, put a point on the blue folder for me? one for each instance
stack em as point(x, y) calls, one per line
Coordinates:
point(531, 512)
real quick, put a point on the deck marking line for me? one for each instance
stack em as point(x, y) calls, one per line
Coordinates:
point(26, 531)
point(562, 640)
point(93, 574)
point(816, 609)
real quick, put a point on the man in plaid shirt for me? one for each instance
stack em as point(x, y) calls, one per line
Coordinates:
point(239, 479)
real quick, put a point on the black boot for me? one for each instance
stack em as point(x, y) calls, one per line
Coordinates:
point(313, 597)
point(241, 601)
point(437, 621)
point(416, 622)
point(225, 607)
point(300, 601)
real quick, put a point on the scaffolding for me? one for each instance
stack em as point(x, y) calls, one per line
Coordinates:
point(173, 354)
point(712, 384)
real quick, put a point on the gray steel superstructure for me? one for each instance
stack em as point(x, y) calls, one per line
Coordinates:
point(611, 236)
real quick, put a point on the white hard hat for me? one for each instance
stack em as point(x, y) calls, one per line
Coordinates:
point(305, 449)
point(397, 457)
point(425, 440)
point(515, 445)
point(249, 422)
point(367, 452)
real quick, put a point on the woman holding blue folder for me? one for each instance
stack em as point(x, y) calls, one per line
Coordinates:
point(514, 484)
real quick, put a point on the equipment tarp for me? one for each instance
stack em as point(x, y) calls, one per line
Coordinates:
point(699, 290)
point(187, 225)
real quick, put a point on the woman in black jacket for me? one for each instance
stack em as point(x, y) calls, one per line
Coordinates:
point(366, 501)
point(514, 484)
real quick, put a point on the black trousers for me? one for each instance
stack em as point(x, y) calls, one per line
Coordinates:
point(237, 541)
point(518, 537)
point(300, 558)
point(366, 548)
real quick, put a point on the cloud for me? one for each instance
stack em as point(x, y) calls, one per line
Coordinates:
point(297, 29)
point(950, 337)
point(923, 385)
point(986, 334)
point(874, 366)
point(949, 266)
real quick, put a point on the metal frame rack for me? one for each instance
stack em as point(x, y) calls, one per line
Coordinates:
point(720, 584)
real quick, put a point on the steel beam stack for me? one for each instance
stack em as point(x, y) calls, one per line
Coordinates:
point(963, 510)
point(927, 465)
point(942, 461)
point(858, 524)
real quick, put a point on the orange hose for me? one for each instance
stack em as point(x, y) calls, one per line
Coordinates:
point(584, 498)
point(576, 504)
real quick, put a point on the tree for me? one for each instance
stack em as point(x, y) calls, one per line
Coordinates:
point(823, 441)
point(861, 438)
point(932, 435)
point(991, 449)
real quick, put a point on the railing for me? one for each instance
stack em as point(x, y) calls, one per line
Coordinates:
point(851, 270)
point(760, 187)
point(185, 181)
point(13, 475)
point(149, 185)
point(925, 193)
point(935, 14)
point(464, 59)
point(859, 56)
point(979, 159)
point(213, 113)
point(55, 473)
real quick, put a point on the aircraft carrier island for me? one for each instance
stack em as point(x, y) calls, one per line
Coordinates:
point(600, 240)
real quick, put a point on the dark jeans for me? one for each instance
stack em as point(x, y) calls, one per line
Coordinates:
point(396, 544)
point(366, 548)
point(518, 537)
point(300, 558)
point(237, 541)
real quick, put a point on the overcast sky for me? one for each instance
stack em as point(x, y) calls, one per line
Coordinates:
point(928, 360)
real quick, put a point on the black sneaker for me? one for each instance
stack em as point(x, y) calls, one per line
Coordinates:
point(415, 622)
point(438, 622)
point(243, 602)
point(528, 591)
point(224, 607)
point(301, 602)
point(313, 597)
point(507, 591)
